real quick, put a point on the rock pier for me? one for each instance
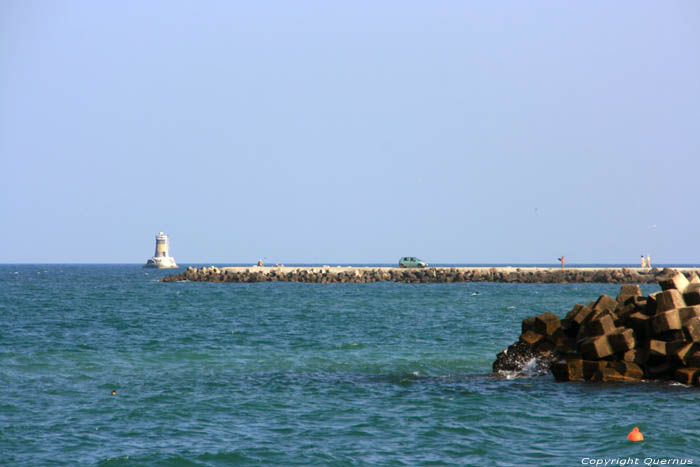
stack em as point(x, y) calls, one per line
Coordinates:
point(626, 338)
point(338, 274)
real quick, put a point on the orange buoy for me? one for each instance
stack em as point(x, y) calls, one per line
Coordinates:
point(635, 435)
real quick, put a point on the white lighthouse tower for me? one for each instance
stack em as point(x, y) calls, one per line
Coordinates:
point(162, 258)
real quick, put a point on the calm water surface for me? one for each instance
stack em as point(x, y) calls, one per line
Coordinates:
point(302, 374)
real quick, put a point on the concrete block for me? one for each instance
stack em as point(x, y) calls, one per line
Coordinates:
point(607, 375)
point(568, 345)
point(528, 324)
point(650, 308)
point(627, 292)
point(689, 312)
point(595, 348)
point(691, 295)
point(605, 302)
point(545, 347)
point(693, 279)
point(531, 337)
point(638, 356)
point(560, 370)
point(673, 280)
point(640, 303)
point(612, 375)
point(591, 367)
point(599, 326)
point(665, 320)
point(570, 355)
point(687, 376)
point(664, 352)
point(672, 347)
point(626, 308)
point(693, 360)
point(575, 318)
point(622, 340)
point(628, 369)
point(661, 371)
point(623, 312)
point(657, 351)
point(562, 342)
point(670, 336)
point(640, 324)
point(682, 355)
point(668, 300)
point(568, 370)
point(691, 329)
point(547, 324)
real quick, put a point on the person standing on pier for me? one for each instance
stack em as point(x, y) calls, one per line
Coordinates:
point(643, 265)
point(648, 261)
point(562, 261)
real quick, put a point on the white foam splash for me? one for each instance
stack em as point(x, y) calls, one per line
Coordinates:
point(531, 367)
point(528, 369)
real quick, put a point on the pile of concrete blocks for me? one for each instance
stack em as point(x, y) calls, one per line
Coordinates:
point(416, 275)
point(627, 338)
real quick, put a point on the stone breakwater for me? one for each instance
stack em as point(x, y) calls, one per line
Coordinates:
point(627, 338)
point(327, 274)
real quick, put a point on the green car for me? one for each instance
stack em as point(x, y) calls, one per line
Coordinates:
point(411, 262)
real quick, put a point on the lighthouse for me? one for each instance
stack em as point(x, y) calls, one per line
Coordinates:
point(162, 258)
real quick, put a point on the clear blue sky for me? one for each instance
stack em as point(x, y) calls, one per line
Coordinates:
point(331, 132)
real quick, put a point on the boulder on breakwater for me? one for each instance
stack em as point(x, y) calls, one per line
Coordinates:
point(327, 274)
point(627, 338)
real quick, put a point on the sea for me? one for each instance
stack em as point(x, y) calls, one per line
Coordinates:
point(104, 365)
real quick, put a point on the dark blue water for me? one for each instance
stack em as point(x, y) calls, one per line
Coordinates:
point(302, 374)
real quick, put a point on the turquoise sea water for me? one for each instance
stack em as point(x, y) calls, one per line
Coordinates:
point(303, 374)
